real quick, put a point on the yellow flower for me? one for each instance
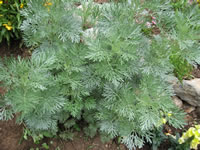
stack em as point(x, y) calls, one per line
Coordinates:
point(169, 114)
point(194, 143)
point(190, 132)
point(198, 1)
point(47, 4)
point(8, 27)
point(197, 126)
point(181, 140)
point(163, 121)
point(1, 15)
point(167, 134)
point(197, 134)
point(194, 133)
point(1, 2)
point(21, 5)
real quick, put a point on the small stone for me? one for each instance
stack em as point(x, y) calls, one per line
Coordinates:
point(190, 109)
point(188, 118)
point(172, 80)
point(122, 147)
point(189, 91)
point(177, 101)
point(80, 7)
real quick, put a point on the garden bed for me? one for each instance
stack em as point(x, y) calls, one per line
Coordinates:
point(11, 134)
point(111, 71)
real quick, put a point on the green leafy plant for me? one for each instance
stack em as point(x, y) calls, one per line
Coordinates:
point(179, 4)
point(158, 138)
point(10, 19)
point(50, 26)
point(45, 146)
point(114, 79)
point(89, 12)
point(182, 45)
point(57, 148)
point(182, 69)
point(37, 137)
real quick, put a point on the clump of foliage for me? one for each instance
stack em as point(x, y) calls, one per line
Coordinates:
point(10, 19)
point(191, 137)
point(184, 23)
point(49, 26)
point(179, 4)
point(185, 20)
point(188, 140)
point(182, 69)
point(114, 77)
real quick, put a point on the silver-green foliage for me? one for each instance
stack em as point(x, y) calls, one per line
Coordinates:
point(115, 79)
point(46, 23)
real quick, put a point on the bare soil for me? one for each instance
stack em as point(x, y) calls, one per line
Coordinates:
point(13, 50)
point(11, 138)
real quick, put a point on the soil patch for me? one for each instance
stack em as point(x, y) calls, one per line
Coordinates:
point(11, 138)
point(14, 49)
point(10, 135)
point(196, 72)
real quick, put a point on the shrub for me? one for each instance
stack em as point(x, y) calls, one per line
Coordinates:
point(112, 76)
point(10, 19)
point(50, 25)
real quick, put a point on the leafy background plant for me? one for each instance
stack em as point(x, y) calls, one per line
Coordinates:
point(10, 19)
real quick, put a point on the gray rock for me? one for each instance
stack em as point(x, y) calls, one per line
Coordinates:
point(177, 101)
point(189, 91)
point(172, 80)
